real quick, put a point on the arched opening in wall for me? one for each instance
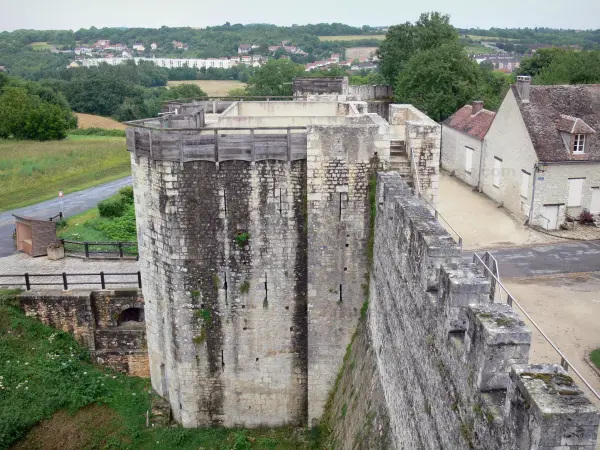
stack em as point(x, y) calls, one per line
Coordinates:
point(131, 317)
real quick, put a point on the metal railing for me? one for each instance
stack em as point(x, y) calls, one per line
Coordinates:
point(121, 250)
point(436, 214)
point(502, 295)
point(62, 279)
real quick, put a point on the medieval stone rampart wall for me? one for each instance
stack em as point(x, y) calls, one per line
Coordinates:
point(452, 366)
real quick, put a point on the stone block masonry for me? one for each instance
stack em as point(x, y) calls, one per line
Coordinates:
point(223, 260)
point(340, 161)
point(452, 366)
point(253, 274)
point(254, 269)
point(109, 323)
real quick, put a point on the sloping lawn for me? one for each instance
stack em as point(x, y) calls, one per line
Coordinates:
point(31, 171)
point(53, 397)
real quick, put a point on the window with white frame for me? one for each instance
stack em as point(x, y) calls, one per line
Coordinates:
point(497, 171)
point(468, 159)
point(578, 143)
point(524, 183)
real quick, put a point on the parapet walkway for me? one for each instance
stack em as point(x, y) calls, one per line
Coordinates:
point(21, 263)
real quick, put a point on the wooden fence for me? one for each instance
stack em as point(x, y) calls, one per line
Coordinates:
point(225, 144)
point(101, 250)
point(65, 280)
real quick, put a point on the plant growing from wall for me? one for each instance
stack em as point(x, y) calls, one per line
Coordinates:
point(242, 238)
point(245, 287)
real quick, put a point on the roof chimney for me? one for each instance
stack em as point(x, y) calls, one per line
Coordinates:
point(476, 107)
point(523, 86)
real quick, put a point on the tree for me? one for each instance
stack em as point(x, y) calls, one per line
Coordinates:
point(493, 86)
point(540, 61)
point(44, 123)
point(438, 81)
point(275, 78)
point(403, 41)
point(184, 90)
point(571, 67)
point(15, 105)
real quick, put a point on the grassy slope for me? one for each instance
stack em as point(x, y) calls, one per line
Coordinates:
point(90, 227)
point(32, 171)
point(77, 229)
point(595, 357)
point(352, 37)
point(47, 375)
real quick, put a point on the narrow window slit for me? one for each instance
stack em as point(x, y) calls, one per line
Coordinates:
point(340, 293)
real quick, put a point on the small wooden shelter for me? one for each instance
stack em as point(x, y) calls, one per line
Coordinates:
point(35, 235)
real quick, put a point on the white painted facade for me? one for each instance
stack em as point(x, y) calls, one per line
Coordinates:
point(170, 63)
point(509, 150)
point(461, 155)
point(511, 167)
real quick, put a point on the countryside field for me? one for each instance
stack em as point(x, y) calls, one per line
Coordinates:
point(488, 38)
point(478, 50)
point(216, 88)
point(40, 46)
point(353, 53)
point(92, 121)
point(352, 37)
point(32, 171)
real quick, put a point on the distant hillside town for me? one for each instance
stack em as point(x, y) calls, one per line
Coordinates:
point(254, 55)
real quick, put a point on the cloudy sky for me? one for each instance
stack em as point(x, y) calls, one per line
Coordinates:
point(75, 14)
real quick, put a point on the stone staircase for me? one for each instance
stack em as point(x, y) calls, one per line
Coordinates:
point(399, 161)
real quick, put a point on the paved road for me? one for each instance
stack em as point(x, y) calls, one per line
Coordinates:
point(74, 203)
point(568, 257)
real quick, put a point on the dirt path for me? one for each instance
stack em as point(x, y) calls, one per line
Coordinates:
point(567, 308)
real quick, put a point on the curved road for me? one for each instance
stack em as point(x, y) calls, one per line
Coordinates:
point(74, 203)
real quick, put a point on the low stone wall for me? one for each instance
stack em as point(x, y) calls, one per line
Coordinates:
point(109, 323)
point(452, 366)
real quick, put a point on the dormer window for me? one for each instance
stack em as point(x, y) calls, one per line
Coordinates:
point(573, 131)
point(578, 143)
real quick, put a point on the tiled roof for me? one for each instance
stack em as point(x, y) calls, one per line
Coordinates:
point(475, 126)
point(573, 125)
point(552, 108)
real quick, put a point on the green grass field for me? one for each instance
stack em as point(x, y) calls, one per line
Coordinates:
point(40, 46)
point(488, 38)
point(52, 396)
point(32, 171)
point(478, 49)
point(352, 37)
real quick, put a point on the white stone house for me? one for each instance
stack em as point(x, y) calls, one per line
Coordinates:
point(541, 156)
point(463, 135)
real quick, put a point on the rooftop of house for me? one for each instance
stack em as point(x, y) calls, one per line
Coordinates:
point(473, 124)
point(552, 110)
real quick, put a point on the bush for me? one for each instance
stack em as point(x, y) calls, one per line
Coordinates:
point(97, 132)
point(112, 207)
point(46, 122)
point(121, 228)
point(586, 217)
point(127, 193)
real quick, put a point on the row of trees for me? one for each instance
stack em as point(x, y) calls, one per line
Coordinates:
point(560, 66)
point(541, 35)
point(31, 111)
point(428, 67)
